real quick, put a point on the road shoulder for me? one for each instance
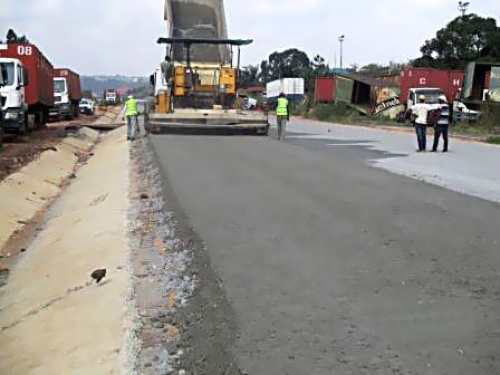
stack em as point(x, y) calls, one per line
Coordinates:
point(50, 297)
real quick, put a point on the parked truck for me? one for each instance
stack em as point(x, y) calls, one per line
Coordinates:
point(449, 81)
point(28, 91)
point(1, 114)
point(293, 88)
point(67, 94)
point(433, 83)
point(111, 97)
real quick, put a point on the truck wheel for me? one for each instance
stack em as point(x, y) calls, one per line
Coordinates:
point(23, 125)
point(1, 136)
point(23, 128)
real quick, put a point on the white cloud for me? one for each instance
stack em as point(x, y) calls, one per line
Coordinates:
point(282, 7)
point(116, 36)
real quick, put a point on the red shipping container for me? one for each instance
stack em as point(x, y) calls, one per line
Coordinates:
point(73, 81)
point(487, 79)
point(325, 90)
point(40, 89)
point(450, 81)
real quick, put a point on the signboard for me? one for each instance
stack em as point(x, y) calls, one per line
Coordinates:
point(387, 102)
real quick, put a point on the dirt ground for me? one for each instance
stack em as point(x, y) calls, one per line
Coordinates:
point(18, 151)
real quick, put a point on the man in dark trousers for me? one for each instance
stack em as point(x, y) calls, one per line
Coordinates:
point(419, 113)
point(282, 115)
point(441, 128)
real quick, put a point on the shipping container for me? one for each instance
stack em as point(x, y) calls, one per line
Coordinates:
point(293, 88)
point(29, 92)
point(324, 90)
point(482, 83)
point(450, 81)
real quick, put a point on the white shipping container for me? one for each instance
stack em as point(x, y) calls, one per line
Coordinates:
point(293, 88)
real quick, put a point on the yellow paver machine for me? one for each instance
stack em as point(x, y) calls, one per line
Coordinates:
point(201, 95)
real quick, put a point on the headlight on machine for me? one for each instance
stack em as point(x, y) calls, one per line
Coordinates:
point(11, 115)
point(222, 88)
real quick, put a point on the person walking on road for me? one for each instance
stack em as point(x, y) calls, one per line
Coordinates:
point(419, 114)
point(443, 124)
point(282, 115)
point(131, 116)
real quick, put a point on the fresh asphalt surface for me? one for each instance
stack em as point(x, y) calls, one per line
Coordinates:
point(334, 266)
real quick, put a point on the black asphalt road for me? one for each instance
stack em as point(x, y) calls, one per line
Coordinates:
point(334, 267)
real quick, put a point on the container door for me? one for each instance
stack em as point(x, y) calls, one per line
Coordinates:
point(495, 84)
point(344, 89)
point(468, 81)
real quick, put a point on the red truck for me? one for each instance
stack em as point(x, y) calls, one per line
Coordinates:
point(27, 93)
point(67, 94)
point(449, 81)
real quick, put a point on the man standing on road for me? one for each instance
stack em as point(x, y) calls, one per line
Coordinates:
point(282, 115)
point(419, 114)
point(131, 116)
point(443, 124)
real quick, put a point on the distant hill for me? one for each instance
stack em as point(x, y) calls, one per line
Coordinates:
point(97, 84)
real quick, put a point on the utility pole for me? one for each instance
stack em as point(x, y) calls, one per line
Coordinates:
point(463, 7)
point(341, 40)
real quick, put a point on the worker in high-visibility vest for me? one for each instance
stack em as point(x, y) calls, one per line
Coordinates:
point(131, 113)
point(282, 115)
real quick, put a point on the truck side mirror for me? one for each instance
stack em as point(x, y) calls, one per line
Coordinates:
point(152, 80)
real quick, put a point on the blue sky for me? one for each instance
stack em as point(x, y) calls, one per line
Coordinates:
point(118, 36)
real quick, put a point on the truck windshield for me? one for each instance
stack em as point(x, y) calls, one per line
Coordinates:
point(431, 96)
point(7, 70)
point(59, 86)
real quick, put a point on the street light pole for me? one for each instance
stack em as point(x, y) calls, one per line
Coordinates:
point(463, 7)
point(341, 40)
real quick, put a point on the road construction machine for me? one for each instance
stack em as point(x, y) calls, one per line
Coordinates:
point(196, 87)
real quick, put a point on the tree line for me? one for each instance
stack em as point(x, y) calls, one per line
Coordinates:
point(466, 38)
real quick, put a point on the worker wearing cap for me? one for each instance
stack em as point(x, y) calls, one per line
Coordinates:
point(282, 115)
point(441, 128)
point(419, 117)
point(131, 113)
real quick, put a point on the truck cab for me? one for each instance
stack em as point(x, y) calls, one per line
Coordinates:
point(1, 115)
point(62, 102)
point(111, 98)
point(12, 95)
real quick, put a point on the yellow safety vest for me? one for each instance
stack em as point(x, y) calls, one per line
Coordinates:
point(282, 108)
point(131, 107)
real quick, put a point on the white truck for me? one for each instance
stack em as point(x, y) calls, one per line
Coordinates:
point(111, 97)
point(28, 91)
point(293, 88)
point(12, 94)
point(1, 115)
point(67, 94)
point(432, 94)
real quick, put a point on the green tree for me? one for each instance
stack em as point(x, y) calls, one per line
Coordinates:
point(375, 70)
point(291, 63)
point(466, 38)
point(249, 76)
point(264, 72)
point(319, 66)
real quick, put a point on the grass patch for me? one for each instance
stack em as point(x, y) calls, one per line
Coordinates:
point(340, 113)
point(495, 140)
